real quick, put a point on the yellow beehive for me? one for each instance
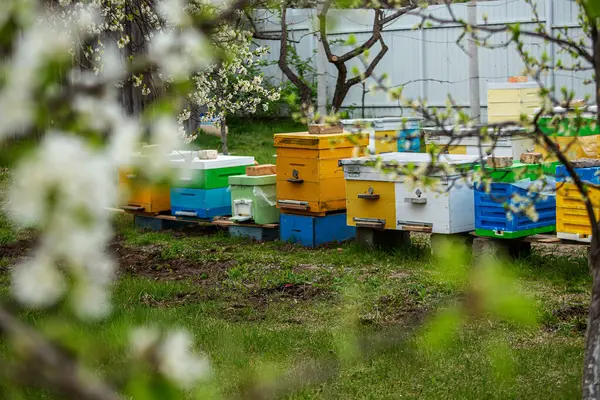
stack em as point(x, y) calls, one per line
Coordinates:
point(373, 200)
point(571, 213)
point(151, 198)
point(507, 101)
point(309, 179)
point(574, 147)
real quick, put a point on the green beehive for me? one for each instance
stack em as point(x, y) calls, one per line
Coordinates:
point(519, 171)
point(254, 198)
point(209, 174)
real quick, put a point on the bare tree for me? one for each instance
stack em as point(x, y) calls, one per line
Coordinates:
point(382, 17)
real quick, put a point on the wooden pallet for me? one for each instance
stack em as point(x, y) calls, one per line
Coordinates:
point(266, 232)
point(542, 239)
point(227, 222)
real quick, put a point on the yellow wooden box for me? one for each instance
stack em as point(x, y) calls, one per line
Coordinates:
point(574, 220)
point(309, 180)
point(451, 150)
point(568, 196)
point(151, 198)
point(507, 101)
point(574, 147)
point(386, 142)
point(371, 200)
point(571, 214)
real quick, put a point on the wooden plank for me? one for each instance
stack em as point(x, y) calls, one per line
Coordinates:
point(325, 129)
point(531, 158)
point(261, 170)
point(499, 161)
point(207, 154)
point(223, 222)
point(417, 228)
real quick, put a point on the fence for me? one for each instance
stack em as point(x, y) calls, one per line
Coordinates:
point(427, 62)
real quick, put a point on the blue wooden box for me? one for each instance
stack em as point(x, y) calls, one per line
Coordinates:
point(589, 174)
point(201, 203)
point(314, 231)
point(491, 214)
point(409, 140)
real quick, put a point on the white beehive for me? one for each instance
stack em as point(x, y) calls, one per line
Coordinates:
point(378, 199)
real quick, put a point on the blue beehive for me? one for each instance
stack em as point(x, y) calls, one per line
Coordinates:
point(313, 231)
point(201, 203)
point(409, 138)
point(589, 174)
point(491, 217)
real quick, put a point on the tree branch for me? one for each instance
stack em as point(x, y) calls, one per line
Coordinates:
point(51, 367)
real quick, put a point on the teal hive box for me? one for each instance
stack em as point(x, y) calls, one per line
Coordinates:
point(254, 198)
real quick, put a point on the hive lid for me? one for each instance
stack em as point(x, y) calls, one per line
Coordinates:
point(379, 120)
point(220, 162)
point(304, 140)
point(411, 158)
point(513, 85)
point(519, 171)
point(245, 180)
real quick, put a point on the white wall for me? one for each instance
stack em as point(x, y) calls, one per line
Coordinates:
point(429, 63)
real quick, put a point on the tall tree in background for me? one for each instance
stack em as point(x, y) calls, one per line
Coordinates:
point(345, 79)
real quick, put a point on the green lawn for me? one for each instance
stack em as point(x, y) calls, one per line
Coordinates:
point(262, 311)
point(251, 138)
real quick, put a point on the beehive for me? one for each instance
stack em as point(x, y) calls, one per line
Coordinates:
point(509, 144)
point(491, 218)
point(572, 221)
point(254, 198)
point(201, 188)
point(382, 200)
point(209, 174)
point(309, 180)
point(508, 101)
point(577, 136)
point(387, 135)
point(146, 196)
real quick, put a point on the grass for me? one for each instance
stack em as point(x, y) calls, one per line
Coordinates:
point(261, 309)
point(247, 137)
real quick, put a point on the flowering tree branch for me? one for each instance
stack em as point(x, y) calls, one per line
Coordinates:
point(44, 364)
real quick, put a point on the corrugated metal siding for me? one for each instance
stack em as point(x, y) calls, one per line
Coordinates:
point(429, 63)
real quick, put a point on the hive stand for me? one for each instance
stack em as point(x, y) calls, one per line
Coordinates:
point(266, 232)
point(165, 222)
point(497, 248)
point(379, 238)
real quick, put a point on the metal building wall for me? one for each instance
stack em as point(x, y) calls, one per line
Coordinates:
point(428, 63)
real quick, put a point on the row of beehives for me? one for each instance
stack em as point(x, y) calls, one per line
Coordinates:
point(200, 185)
point(311, 191)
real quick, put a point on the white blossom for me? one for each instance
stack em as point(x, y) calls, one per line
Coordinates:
point(37, 283)
point(178, 362)
point(173, 354)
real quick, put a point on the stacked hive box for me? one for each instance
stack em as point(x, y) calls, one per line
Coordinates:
point(572, 221)
point(508, 101)
point(577, 136)
point(381, 198)
point(509, 144)
point(146, 196)
point(388, 135)
point(254, 198)
point(202, 187)
point(512, 188)
point(310, 185)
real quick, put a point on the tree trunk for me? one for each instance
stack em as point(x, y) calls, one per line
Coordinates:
point(591, 366)
point(224, 149)
point(307, 106)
